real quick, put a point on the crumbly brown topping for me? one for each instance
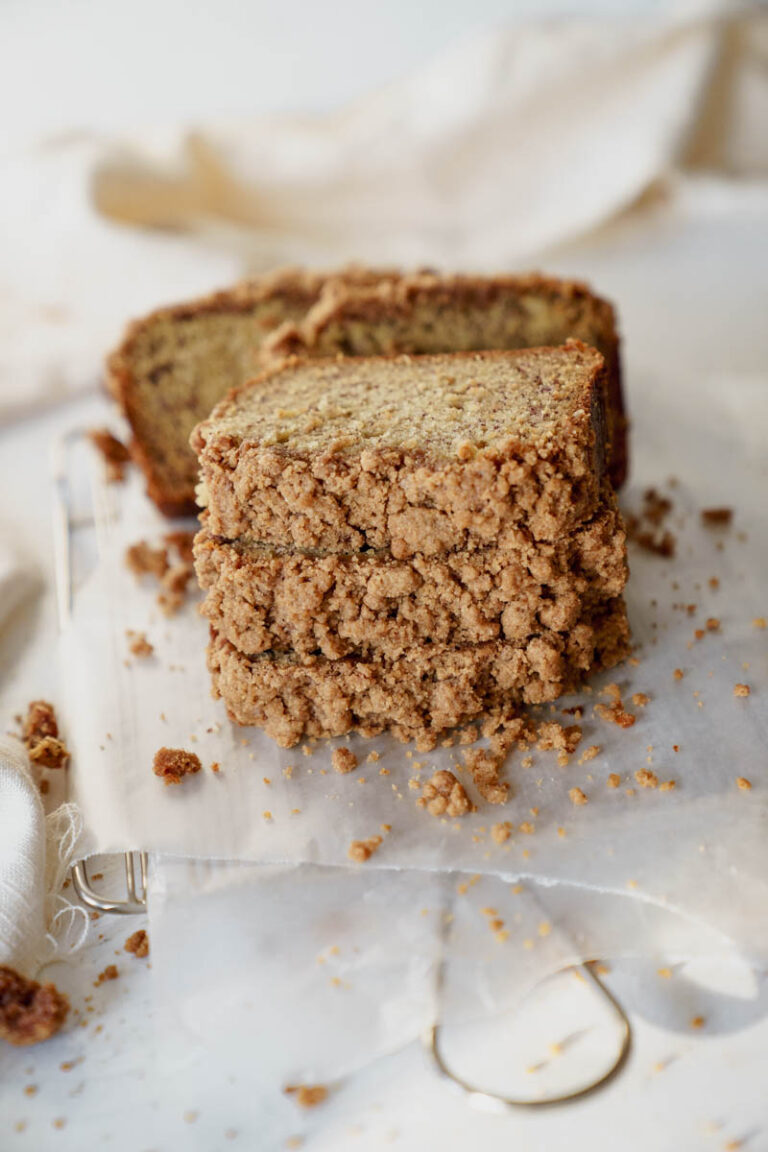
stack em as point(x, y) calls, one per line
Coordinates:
point(173, 764)
point(109, 973)
point(29, 1012)
point(443, 795)
point(116, 455)
point(485, 769)
point(40, 733)
point(716, 517)
point(138, 645)
point(362, 850)
point(307, 1095)
point(138, 944)
point(343, 760)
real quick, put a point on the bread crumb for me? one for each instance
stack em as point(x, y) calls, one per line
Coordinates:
point(114, 453)
point(640, 699)
point(667, 786)
point(743, 784)
point(29, 1012)
point(500, 833)
point(698, 1022)
point(577, 797)
point(443, 795)
point(307, 1095)
point(613, 780)
point(713, 624)
point(646, 778)
point(665, 973)
point(181, 541)
point(741, 689)
point(362, 850)
point(138, 944)
point(589, 753)
point(485, 773)
point(714, 516)
point(109, 973)
point(373, 756)
point(678, 673)
point(343, 760)
point(40, 734)
point(173, 764)
point(173, 587)
point(759, 622)
point(138, 645)
point(144, 560)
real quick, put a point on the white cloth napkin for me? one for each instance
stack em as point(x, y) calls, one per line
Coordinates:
point(37, 923)
point(505, 145)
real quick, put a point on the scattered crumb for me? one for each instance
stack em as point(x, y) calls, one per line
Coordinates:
point(181, 542)
point(577, 796)
point(554, 735)
point(714, 516)
point(173, 764)
point(138, 645)
point(343, 760)
point(741, 689)
point(646, 778)
point(645, 528)
point(173, 587)
point(713, 624)
point(115, 454)
point(665, 973)
point(138, 944)
point(667, 786)
point(613, 780)
point(698, 1022)
point(743, 784)
point(40, 734)
point(373, 756)
point(640, 699)
point(528, 828)
point(485, 773)
point(443, 795)
point(144, 560)
point(362, 850)
point(109, 973)
point(759, 622)
point(500, 833)
point(589, 753)
point(678, 673)
point(216, 768)
point(29, 1012)
point(307, 1095)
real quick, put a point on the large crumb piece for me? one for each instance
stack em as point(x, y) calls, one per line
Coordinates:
point(500, 833)
point(443, 795)
point(614, 713)
point(109, 973)
point(116, 455)
point(307, 1095)
point(29, 1012)
point(343, 760)
point(173, 764)
point(40, 734)
point(138, 944)
point(181, 542)
point(577, 797)
point(362, 850)
point(712, 517)
point(553, 735)
point(138, 645)
point(485, 773)
point(144, 560)
point(173, 587)
point(741, 689)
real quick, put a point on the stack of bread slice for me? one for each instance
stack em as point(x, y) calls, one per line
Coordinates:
point(404, 542)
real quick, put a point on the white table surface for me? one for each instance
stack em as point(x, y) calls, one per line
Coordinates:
point(666, 272)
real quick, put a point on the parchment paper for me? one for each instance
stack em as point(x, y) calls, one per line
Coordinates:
point(701, 848)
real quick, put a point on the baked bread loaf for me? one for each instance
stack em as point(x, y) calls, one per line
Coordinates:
point(406, 542)
point(175, 364)
point(427, 313)
point(422, 454)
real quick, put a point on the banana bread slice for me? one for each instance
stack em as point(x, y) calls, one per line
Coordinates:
point(416, 696)
point(175, 364)
point(413, 454)
point(262, 598)
point(428, 313)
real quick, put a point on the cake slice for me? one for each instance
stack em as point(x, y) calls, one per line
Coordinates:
point(266, 599)
point(422, 454)
point(175, 364)
point(428, 313)
point(415, 696)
